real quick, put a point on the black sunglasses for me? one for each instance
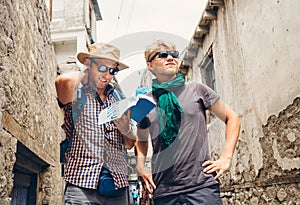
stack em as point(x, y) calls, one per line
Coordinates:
point(164, 54)
point(103, 68)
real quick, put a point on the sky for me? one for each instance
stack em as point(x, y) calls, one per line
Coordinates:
point(121, 17)
point(133, 24)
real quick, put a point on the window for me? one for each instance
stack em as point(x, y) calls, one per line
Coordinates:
point(90, 17)
point(208, 77)
point(207, 70)
point(26, 170)
point(24, 190)
point(91, 24)
point(56, 9)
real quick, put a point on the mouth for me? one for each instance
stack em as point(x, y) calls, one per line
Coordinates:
point(103, 80)
point(167, 64)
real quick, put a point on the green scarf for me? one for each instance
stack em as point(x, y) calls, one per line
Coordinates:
point(169, 109)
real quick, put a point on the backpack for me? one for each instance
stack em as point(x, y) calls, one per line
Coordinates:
point(77, 107)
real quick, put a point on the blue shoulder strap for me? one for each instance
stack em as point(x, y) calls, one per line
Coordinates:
point(77, 107)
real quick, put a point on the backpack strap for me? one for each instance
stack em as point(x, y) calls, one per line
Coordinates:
point(76, 110)
point(77, 107)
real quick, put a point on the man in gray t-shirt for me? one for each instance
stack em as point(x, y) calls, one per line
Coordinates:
point(182, 171)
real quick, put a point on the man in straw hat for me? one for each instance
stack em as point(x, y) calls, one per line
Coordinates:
point(96, 150)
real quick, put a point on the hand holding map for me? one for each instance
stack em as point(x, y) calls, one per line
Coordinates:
point(140, 106)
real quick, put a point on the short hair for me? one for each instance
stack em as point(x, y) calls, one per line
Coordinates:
point(156, 46)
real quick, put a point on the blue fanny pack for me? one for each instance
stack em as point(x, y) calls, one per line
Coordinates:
point(106, 184)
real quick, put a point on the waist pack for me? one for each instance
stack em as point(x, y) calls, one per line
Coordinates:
point(106, 184)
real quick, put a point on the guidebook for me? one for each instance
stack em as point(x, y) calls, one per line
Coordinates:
point(140, 106)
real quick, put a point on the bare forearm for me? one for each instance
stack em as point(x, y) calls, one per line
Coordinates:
point(74, 78)
point(65, 86)
point(232, 133)
point(227, 115)
point(141, 147)
point(141, 153)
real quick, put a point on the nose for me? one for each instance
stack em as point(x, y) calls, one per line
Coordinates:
point(106, 74)
point(169, 57)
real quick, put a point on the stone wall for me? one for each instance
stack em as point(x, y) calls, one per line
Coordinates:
point(29, 111)
point(277, 182)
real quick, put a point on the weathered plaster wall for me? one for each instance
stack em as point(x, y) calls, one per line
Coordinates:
point(29, 112)
point(256, 59)
point(277, 182)
point(257, 42)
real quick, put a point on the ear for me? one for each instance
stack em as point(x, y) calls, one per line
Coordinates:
point(87, 62)
point(150, 68)
point(149, 65)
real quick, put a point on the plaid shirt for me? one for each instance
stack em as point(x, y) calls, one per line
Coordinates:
point(93, 145)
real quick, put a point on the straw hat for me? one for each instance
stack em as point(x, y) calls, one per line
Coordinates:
point(102, 50)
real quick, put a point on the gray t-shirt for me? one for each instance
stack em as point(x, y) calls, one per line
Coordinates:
point(178, 168)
